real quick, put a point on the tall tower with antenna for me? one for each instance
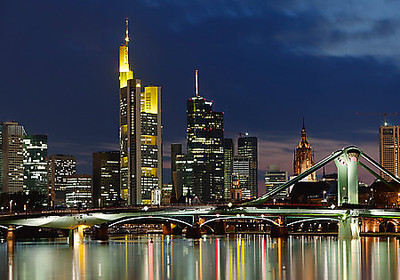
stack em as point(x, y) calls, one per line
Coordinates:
point(205, 147)
point(140, 134)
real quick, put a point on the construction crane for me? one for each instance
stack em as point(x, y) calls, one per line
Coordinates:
point(377, 114)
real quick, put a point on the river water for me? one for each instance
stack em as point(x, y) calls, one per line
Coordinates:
point(225, 257)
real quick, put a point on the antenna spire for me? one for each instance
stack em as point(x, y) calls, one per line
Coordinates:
point(197, 82)
point(126, 32)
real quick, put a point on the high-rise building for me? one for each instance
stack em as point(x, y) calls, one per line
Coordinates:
point(304, 157)
point(184, 175)
point(79, 191)
point(274, 177)
point(140, 134)
point(35, 164)
point(247, 146)
point(11, 157)
point(241, 171)
point(106, 184)
point(176, 176)
point(228, 166)
point(389, 149)
point(205, 147)
point(58, 168)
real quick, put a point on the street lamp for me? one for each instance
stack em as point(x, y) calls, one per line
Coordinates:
point(11, 202)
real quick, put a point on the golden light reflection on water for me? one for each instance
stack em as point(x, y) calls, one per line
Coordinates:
point(230, 257)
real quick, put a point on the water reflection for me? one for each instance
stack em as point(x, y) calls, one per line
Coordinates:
point(231, 257)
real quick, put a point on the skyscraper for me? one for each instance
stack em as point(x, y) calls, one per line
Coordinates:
point(389, 154)
point(78, 191)
point(241, 171)
point(106, 184)
point(35, 164)
point(205, 147)
point(58, 168)
point(11, 157)
point(228, 166)
point(140, 134)
point(247, 146)
point(176, 175)
point(274, 177)
point(304, 157)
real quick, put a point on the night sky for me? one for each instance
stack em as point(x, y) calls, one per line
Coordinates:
point(265, 64)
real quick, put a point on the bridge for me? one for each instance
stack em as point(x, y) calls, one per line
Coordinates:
point(195, 219)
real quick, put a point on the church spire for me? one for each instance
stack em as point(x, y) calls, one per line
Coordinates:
point(303, 133)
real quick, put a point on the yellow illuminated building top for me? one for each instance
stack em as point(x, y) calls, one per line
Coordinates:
point(149, 102)
point(125, 72)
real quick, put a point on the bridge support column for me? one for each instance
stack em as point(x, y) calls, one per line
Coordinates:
point(11, 234)
point(347, 167)
point(193, 232)
point(349, 228)
point(101, 233)
point(219, 228)
point(279, 231)
point(176, 229)
point(76, 235)
point(166, 229)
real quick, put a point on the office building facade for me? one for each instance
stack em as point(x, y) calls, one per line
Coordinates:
point(58, 168)
point(242, 172)
point(11, 157)
point(389, 153)
point(35, 164)
point(275, 177)
point(248, 146)
point(78, 191)
point(106, 178)
point(228, 166)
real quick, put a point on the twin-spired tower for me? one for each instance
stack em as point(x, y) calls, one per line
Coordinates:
point(140, 134)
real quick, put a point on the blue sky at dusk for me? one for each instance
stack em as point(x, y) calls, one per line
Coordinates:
point(265, 64)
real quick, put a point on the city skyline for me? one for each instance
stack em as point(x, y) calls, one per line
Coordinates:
point(265, 79)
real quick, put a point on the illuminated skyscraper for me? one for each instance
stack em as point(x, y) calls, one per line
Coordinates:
point(58, 168)
point(241, 171)
point(11, 157)
point(389, 154)
point(274, 177)
point(228, 166)
point(205, 147)
point(79, 191)
point(35, 164)
point(140, 134)
point(106, 178)
point(304, 157)
point(247, 146)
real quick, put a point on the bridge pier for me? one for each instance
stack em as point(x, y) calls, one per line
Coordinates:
point(349, 228)
point(76, 235)
point(279, 231)
point(176, 229)
point(193, 232)
point(11, 234)
point(166, 229)
point(219, 228)
point(101, 233)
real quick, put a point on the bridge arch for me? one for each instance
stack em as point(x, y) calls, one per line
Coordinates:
point(157, 218)
point(238, 218)
point(388, 225)
point(312, 220)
